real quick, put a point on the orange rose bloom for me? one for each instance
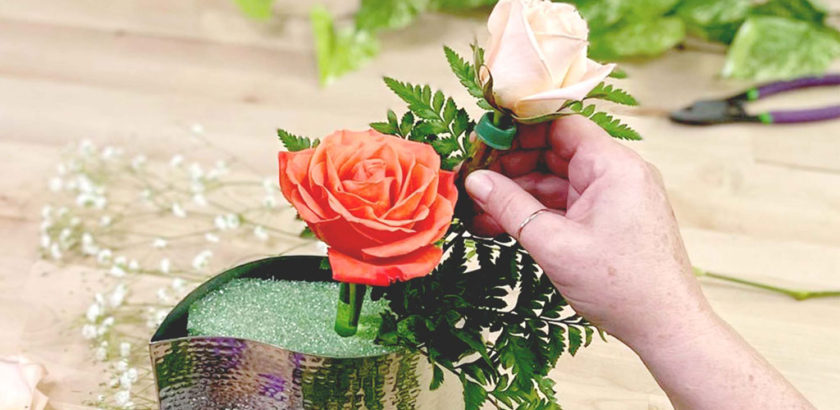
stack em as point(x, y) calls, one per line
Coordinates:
point(380, 202)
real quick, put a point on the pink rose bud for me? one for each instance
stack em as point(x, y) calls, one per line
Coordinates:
point(537, 56)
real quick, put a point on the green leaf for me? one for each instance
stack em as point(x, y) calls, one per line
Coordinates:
point(256, 9)
point(339, 52)
point(384, 127)
point(474, 395)
point(437, 378)
point(608, 92)
point(803, 10)
point(575, 340)
point(611, 125)
point(293, 142)
point(714, 20)
point(375, 15)
point(406, 124)
point(466, 74)
point(769, 48)
point(307, 233)
point(640, 38)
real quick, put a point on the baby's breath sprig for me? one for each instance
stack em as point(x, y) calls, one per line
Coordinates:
point(140, 221)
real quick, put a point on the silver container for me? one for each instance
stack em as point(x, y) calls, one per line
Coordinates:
point(231, 373)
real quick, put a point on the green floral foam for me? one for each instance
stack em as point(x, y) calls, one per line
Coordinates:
point(294, 315)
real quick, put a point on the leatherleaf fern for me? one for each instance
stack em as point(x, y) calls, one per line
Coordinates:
point(487, 314)
point(499, 326)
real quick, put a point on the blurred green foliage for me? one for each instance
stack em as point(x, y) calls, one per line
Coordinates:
point(769, 40)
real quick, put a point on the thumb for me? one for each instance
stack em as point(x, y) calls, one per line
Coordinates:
point(510, 206)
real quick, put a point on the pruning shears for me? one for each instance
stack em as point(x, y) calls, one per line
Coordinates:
point(732, 109)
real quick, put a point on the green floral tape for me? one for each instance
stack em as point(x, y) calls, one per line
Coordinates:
point(493, 136)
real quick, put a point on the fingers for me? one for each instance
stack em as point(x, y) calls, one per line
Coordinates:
point(509, 205)
point(520, 163)
point(533, 136)
point(570, 134)
point(550, 190)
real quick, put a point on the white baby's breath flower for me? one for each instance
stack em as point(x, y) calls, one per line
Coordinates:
point(220, 222)
point(176, 161)
point(63, 211)
point(232, 221)
point(270, 202)
point(89, 247)
point(109, 153)
point(269, 185)
point(121, 366)
point(46, 212)
point(64, 236)
point(86, 147)
point(89, 332)
point(146, 194)
point(75, 221)
point(195, 170)
point(56, 184)
point(99, 298)
point(197, 129)
point(209, 237)
point(45, 241)
point(133, 265)
point(138, 162)
point(125, 349)
point(104, 256)
point(117, 296)
point(178, 284)
point(162, 296)
point(105, 220)
point(61, 168)
point(122, 398)
point(101, 353)
point(93, 312)
point(114, 382)
point(199, 200)
point(202, 259)
point(165, 265)
point(128, 378)
point(108, 321)
point(117, 271)
point(178, 211)
point(55, 252)
point(120, 261)
point(159, 243)
point(261, 233)
point(46, 225)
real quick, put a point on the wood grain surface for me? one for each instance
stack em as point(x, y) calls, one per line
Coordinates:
point(762, 202)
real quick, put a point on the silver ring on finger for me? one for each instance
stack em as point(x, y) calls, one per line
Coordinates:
point(528, 220)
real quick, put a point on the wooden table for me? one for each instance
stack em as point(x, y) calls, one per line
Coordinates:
point(756, 201)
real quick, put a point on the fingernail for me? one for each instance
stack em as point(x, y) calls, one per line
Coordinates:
point(479, 186)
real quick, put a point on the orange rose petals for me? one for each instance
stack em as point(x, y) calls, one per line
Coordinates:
point(380, 202)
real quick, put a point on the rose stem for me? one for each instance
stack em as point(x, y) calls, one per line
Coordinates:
point(796, 294)
point(350, 298)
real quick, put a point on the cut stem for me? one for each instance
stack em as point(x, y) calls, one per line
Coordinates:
point(350, 299)
point(793, 293)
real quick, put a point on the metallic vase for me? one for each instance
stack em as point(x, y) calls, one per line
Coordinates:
point(231, 373)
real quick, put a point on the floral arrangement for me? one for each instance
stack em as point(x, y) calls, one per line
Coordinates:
point(385, 201)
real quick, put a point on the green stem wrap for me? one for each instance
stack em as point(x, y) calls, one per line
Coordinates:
point(350, 299)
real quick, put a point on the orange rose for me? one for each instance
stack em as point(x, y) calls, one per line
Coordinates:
point(380, 202)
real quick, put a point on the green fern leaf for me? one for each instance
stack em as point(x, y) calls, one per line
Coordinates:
point(295, 143)
point(608, 92)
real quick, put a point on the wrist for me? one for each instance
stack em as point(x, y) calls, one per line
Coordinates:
point(676, 334)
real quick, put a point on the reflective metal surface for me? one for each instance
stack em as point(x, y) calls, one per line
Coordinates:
point(231, 373)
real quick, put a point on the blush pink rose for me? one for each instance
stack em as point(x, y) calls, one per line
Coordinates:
point(18, 384)
point(537, 56)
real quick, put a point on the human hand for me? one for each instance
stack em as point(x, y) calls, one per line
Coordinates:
point(613, 247)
